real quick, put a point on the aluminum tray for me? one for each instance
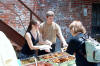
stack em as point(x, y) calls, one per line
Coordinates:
point(65, 63)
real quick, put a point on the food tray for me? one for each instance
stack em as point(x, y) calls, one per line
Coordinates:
point(40, 63)
point(66, 63)
point(52, 55)
point(27, 61)
point(63, 61)
point(56, 59)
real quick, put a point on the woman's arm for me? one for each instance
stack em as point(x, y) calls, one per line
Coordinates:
point(30, 44)
point(29, 41)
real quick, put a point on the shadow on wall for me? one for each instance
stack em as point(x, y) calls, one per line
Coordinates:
point(69, 36)
point(58, 45)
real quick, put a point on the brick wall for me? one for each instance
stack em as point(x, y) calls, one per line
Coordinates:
point(14, 14)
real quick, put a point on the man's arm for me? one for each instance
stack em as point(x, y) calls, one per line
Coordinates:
point(59, 34)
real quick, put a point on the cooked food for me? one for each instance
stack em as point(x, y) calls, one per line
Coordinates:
point(57, 54)
point(31, 60)
point(62, 59)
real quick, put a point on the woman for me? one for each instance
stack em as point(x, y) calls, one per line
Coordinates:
point(32, 37)
point(76, 44)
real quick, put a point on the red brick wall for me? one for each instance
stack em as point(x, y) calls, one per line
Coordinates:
point(14, 14)
point(65, 12)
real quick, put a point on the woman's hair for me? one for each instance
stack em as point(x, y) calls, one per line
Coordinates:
point(77, 27)
point(32, 22)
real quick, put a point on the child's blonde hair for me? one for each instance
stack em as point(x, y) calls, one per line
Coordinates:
point(76, 27)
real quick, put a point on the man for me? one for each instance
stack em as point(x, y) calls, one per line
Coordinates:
point(50, 30)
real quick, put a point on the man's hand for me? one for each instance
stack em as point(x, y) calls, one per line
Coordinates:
point(48, 42)
point(45, 47)
point(65, 45)
point(47, 50)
